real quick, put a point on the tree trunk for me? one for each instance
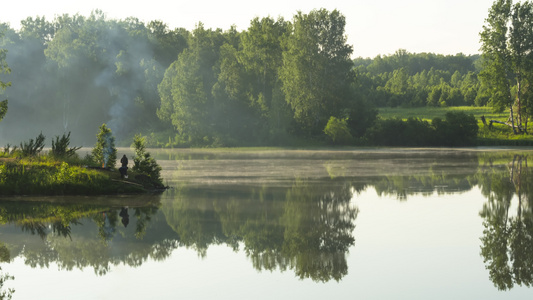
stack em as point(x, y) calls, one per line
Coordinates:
point(511, 117)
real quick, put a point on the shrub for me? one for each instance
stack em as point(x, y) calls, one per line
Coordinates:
point(337, 130)
point(60, 147)
point(143, 162)
point(32, 148)
point(458, 129)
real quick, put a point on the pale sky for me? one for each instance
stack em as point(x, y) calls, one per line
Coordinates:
point(372, 27)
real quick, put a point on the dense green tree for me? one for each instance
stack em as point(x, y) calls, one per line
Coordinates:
point(261, 57)
point(235, 115)
point(507, 45)
point(168, 44)
point(186, 89)
point(317, 70)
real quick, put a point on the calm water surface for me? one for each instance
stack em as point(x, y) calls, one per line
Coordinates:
point(366, 224)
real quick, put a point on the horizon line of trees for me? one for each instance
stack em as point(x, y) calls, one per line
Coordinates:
point(406, 79)
point(273, 82)
point(276, 83)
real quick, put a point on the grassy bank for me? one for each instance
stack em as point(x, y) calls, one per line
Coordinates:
point(497, 135)
point(44, 175)
point(429, 113)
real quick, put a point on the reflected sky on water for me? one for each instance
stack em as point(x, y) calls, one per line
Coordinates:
point(384, 224)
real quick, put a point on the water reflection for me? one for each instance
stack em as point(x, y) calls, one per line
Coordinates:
point(77, 233)
point(286, 212)
point(507, 242)
point(306, 228)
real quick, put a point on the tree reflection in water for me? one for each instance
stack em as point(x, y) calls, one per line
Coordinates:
point(507, 242)
point(68, 234)
point(306, 228)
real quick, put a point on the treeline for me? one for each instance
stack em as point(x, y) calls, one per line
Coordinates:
point(276, 83)
point(424, 79)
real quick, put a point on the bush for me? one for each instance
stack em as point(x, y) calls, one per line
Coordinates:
point(32, 148)
point(60, 147)
point(396, 132)
point(337, 130)
point(143, 162)
point(458, 129)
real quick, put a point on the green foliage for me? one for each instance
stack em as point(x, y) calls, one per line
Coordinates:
point(496, 135)
point(429, 113)
point(271, 84)
point(413, 80)
point(3, 109)
point(458, 129)
point(337, 130)
point(46, 175)
point(507, 43)
point(186, 99)
point(317, 72)
point(105, 152)
point(33, 147)
point(143, 162)
point(60, 147)
point(46, 178)
point(397, 132)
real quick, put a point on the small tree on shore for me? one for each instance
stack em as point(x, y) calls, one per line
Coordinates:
point(143, 162)
point(105, 152)
point(33, 147)
point(60, 147)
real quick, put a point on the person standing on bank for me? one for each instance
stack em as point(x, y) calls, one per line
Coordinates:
point(124, 161)
point(124, 169)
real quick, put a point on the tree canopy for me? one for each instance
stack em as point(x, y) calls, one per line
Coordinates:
point(278, 82)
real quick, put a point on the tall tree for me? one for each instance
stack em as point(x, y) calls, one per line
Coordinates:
point(186, 89)
point(507, 46)
point(317, 70)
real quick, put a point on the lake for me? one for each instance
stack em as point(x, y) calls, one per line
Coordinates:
point(274, 224)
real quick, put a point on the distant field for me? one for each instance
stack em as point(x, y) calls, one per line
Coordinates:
point(429, 113)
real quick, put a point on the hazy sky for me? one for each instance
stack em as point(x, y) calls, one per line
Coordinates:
point(373, 27)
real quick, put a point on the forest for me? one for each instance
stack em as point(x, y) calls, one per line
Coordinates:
point(277, 83)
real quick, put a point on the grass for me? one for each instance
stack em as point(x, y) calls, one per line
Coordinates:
point(46, 175)
point(429, 113)
point(498, 135)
